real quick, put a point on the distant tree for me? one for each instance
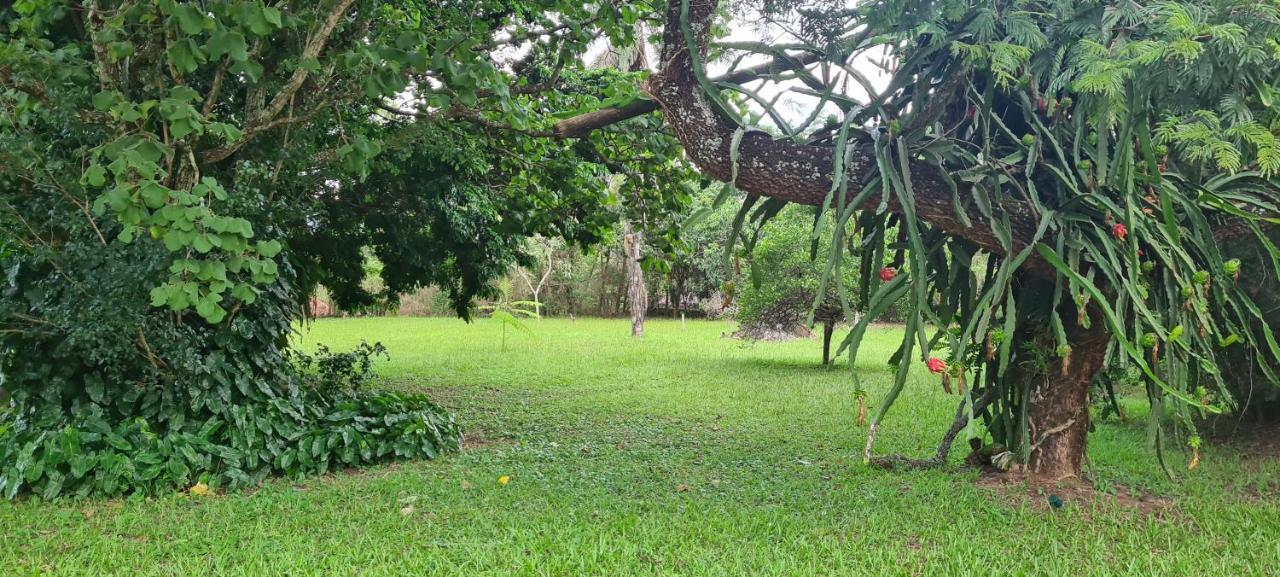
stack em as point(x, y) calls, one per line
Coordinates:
point(698, 268)
point(544, 254)
point(637, 290)
point(779, 297)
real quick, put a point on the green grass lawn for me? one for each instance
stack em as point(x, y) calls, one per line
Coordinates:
point(682, 453)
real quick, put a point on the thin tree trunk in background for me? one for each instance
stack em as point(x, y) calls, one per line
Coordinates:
point(602, 295)
point(828, 328)
point(637, 294)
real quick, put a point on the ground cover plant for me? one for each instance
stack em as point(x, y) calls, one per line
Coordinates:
point(682, 453)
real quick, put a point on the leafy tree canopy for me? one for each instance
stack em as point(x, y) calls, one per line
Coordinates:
point(177, 177)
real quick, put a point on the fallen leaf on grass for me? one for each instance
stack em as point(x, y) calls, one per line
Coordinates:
point(683, 488)
point(200, 490)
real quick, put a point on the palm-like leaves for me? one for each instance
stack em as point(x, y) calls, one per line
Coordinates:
point(510, 313)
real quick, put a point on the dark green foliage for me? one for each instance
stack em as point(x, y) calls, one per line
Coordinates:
point(108, 397)
point(1245, 377)
point(176, 179)
point(88, 453)
point(430, 215)
point(782, 277)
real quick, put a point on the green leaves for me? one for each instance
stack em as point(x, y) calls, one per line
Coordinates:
point(186, 55)
point(269, 248)
point(181, 219)
point(229, 43)
point(95, 175)
point(355, 156)
point(508, 313)
point(228, 132)
point(182, 117)
point(105, 100)
point(209, 308)
point(189, 17)
point(86, 456)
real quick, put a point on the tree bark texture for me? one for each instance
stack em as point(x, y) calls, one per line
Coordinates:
point(637, 292)
point(1058, 402)
point(803, 173)
point(828, 328)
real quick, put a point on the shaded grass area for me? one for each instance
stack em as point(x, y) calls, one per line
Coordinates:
point(682, 453)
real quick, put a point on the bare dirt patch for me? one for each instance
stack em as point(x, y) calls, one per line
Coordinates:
point(478, 404)
point(479, 438)
point(1018, 487)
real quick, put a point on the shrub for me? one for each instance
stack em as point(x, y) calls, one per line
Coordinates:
point(110, 396)
point(229, 432)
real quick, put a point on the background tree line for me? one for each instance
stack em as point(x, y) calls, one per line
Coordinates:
point(769, 286)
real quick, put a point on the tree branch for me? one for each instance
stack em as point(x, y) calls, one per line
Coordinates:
point(265, 118)
point(939, 457)
point(467, 114)
point(583, 124)
point(216, 89)
point(802, 173)
point(311, 51)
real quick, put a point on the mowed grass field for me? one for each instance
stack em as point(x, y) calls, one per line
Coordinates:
point(681, 453)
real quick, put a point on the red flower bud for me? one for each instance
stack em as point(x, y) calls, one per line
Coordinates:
point(887, 273)
point(1119, 231)
point(936, 365)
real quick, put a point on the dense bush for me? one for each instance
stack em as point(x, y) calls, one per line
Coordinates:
point(109, 396)
point(778, 300)
point(784, 275)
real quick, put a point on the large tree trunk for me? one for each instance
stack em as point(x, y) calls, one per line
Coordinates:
point(637, 292)
point(1058, 408)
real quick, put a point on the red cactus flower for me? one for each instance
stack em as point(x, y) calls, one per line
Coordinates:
point(887, 273)
point(936, 365)
point(1119, 230)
